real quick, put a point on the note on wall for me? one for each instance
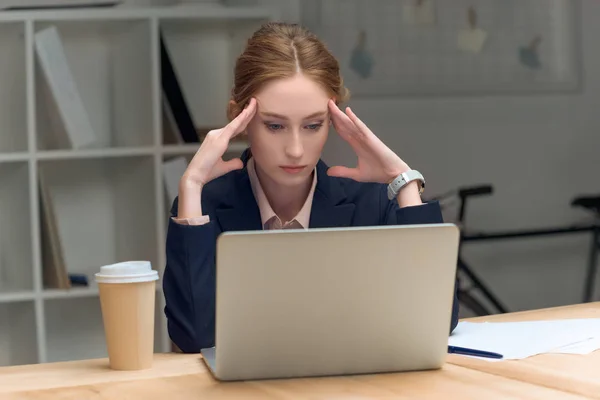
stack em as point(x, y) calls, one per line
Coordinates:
point(361, 61)
point(529, 55)
point(471, 38)
point(419, 12)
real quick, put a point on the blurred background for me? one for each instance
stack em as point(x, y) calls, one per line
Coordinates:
point(103, 103)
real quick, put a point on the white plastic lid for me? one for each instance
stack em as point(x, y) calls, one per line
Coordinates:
point(127, 272)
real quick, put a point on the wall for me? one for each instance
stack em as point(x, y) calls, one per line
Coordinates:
point(537, 151)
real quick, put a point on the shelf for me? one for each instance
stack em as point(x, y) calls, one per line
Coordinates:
point(107, 198)
point(111, 65)
point(11, 157)
point(203, 12)
point(11, 296)
point(75, 331)
point(93, 153)
point(16, 271)
point(75, 292)
point(13, 103)
point(18, 342)
point(104, 210)
point(79, 292)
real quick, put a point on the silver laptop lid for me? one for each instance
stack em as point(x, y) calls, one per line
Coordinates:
point(334, 301)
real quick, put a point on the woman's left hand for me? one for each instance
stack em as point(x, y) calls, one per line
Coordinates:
point(376, 162)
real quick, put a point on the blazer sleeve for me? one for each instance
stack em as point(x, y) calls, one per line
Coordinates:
point(189, 284)
point(427, 213)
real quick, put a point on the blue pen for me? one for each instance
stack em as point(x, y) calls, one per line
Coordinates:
point(473, 352)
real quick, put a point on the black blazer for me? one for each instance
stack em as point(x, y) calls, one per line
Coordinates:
point(189, 277)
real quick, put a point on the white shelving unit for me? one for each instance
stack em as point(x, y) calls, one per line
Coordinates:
point(110, 200)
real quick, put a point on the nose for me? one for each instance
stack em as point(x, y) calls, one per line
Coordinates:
point(294, 148)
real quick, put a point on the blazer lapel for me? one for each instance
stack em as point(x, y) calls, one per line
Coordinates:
point(328, 208)
point(240, 211)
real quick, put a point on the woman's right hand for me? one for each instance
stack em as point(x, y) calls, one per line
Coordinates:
point(208, 164)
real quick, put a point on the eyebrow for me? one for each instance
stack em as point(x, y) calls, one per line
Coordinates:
point(279, 116)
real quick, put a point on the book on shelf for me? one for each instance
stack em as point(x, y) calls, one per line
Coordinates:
point(53, 263)
point(179, 123)
point(67, 113)
point(179, 126)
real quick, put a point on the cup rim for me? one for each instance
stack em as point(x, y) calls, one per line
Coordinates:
point(128, 278)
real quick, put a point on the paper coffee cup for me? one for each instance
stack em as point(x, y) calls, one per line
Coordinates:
point(127, 297)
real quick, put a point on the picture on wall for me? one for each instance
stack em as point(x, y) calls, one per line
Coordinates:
point(411, 47)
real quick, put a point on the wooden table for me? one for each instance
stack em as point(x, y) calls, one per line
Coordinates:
point(578, 374)
point(179, 376)
point(184, 376)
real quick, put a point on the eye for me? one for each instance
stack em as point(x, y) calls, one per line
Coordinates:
point(273, 127)
point(314, 127)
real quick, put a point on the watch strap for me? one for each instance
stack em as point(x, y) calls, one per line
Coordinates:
point(402, 180)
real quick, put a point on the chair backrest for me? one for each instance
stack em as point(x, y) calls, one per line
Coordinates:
point(591, 203)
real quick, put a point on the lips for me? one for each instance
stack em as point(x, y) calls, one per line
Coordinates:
point(293, 169)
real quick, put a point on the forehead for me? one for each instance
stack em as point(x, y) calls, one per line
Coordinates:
point(293, 97)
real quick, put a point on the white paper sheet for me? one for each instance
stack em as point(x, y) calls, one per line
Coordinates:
point(518, 340)
point(584, 347)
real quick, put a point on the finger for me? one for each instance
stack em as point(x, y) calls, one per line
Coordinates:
point(248, 113)
point(343, 172)
point(331, 105)
point(342, 124)
point(345, 122)
point(357, 121)
point(239, 123)
point(336, 114)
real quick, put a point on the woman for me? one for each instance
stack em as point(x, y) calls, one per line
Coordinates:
point(286, 91)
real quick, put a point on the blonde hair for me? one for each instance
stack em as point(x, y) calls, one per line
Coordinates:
point(281, 50)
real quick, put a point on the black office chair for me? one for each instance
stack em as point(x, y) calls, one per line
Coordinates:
point(465, 295)
point(591, 203)
point(465, 292)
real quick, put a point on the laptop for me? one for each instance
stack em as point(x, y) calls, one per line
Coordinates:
point(332, 301)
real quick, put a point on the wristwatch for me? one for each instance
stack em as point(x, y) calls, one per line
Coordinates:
point(402, 180)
